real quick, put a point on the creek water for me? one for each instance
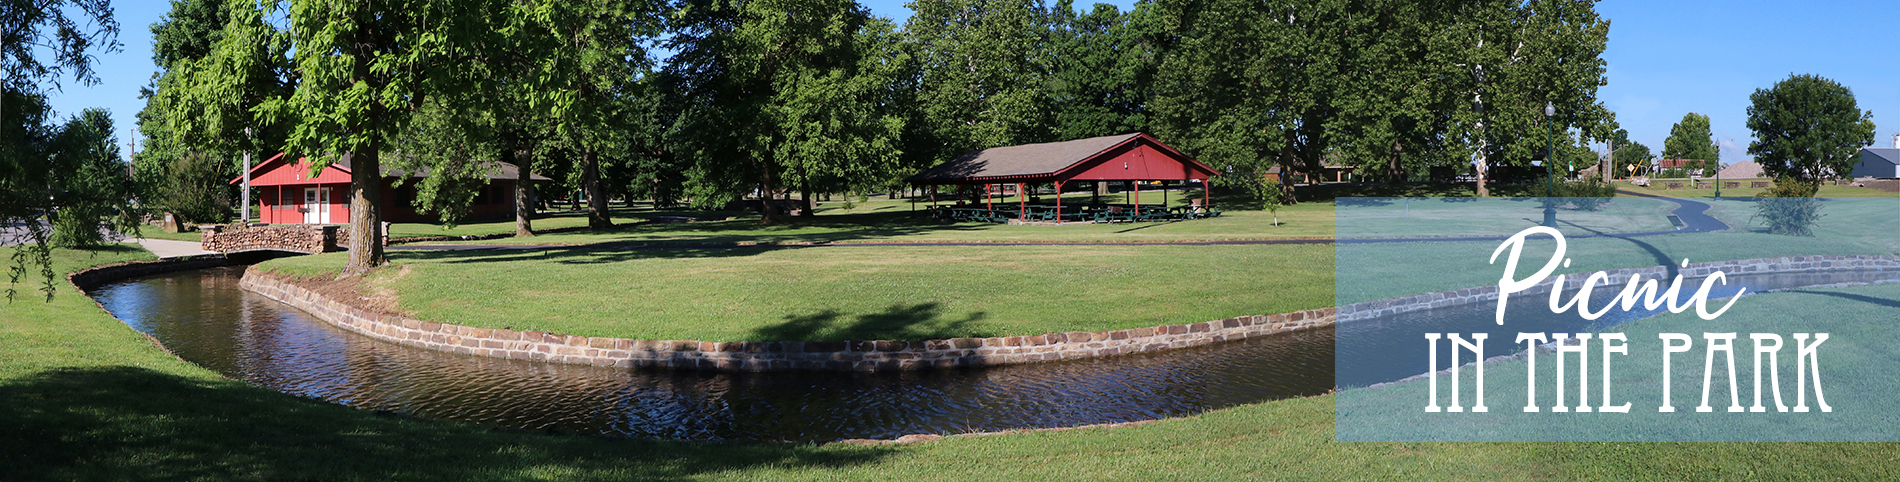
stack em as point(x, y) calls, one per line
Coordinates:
point(204, 318)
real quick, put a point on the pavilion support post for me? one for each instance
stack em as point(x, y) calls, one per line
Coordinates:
point(987, 204)
point(1058, 202)
point(1022, 204)
point(1135, 194)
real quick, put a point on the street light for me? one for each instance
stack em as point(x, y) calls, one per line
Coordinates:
point(1718, 171)
point(1550, 150)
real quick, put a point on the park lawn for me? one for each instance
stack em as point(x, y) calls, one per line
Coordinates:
point(893, 221)
point(89, 399)
point(844, 292)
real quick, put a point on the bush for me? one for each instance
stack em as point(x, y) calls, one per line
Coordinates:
point(1789, 208)
point(1586, 194)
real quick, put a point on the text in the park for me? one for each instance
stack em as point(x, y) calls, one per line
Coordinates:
point(1637, 291)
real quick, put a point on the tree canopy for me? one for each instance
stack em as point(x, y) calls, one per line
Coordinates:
point(1690, 139)
point(1808, 128)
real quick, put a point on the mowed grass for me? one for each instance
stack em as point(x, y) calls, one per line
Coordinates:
point(894, 221)
point(845, 292)
point(89, 399)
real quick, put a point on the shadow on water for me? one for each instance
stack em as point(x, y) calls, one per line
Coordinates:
point(133, 423)
point(915, 322)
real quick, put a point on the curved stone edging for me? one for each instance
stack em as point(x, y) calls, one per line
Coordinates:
point(864, 356)
point(1784, 264)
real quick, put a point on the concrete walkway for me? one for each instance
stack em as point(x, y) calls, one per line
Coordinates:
point(165, 248)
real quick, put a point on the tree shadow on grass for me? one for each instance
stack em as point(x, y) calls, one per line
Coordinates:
point(132, 423)
point(898, 322)
point(590, 254)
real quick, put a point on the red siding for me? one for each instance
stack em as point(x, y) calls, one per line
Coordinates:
point(1135, 161)
point(275, 177)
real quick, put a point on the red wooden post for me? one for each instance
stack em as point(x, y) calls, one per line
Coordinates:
point(1136, 195)
point(1058, 202)
point(1206, 186)
point(1022, 204)
point(986, 197)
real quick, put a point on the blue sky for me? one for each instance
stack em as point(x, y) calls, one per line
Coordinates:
point(1665, 58)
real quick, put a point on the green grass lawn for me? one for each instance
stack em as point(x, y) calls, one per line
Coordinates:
point(89, 399)
point(846, 292)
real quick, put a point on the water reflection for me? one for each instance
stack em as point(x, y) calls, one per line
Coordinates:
point(203, 317)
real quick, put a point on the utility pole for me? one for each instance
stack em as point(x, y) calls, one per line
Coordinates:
point(244, 212)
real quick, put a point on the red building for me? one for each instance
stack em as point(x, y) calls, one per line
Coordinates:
point(290, 195)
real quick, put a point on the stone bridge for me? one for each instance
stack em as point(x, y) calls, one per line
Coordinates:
point(294, 238)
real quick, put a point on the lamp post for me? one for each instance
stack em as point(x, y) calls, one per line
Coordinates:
point(1550, 150)
point(1718, 171)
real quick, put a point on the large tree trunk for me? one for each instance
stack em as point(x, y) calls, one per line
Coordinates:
point(366, 212)
point(524, 186)
point(1394, 171)
point(596, 197)
point(804, 190)
point(768, 207)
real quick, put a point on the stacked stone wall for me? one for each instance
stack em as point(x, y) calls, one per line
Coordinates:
point(302, 238)
point(868, 356)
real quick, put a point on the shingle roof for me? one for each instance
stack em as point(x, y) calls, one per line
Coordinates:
point(1024, 160)
point(495, 170)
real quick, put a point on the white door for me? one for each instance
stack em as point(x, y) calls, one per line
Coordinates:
point(316, 205)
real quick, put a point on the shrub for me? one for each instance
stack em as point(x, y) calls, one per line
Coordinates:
point(1789, 208)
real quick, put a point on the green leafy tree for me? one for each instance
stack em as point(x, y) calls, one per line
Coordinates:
point(1515, 59)
point(363, 68)
point(983, 66)
point(786, 95)
point(42, 42)
point(1808, 128)
point(89, 182)
point(1102, 72)
point(219, 62)
point(1690, 139)
point(1632, 154)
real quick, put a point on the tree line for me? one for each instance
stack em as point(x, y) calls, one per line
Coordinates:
point(713, 100)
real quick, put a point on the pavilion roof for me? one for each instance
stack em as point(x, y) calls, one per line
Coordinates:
point(1044, 161)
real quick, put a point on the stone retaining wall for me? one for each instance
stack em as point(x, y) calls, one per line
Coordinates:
point(868, 356)
point(1620, 277)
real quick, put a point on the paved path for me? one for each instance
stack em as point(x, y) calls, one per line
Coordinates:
point(1693, 215)
point(166, 248)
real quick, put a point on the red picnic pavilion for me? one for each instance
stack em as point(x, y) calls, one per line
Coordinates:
point(1132, 157)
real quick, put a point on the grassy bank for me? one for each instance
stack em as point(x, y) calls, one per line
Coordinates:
point(845, 292)
point(88, 399)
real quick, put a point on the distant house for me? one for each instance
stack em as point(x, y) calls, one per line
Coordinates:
point(1689, 165)
point(290, 195)
point(1743, 170)
point(1879, 162)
